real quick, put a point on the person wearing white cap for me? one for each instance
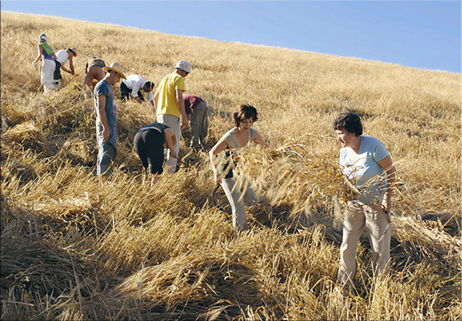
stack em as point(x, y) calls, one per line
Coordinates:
point(48, 57)
point(170, 104)
point(106, 118)
point(62, 57)
point(133, 85)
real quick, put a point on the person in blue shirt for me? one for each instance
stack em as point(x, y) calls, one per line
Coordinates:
point(367, 164)
point(106, 119)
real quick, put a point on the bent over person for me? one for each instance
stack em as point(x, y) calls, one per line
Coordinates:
point(133, 85)
point(149, 143)
point(367, 164)
point(233, 141)
point(93, 71)
point(196, 109)
point(106, 119)
point(62, 57)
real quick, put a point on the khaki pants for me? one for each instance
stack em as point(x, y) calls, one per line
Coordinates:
point(372, 218)
point(174, 123)
point(234, 194)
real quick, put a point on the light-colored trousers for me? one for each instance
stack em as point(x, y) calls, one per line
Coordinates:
point(236, 196)
point(199, 123)
point(48, 69)
point(372, 218)
point(174, 123)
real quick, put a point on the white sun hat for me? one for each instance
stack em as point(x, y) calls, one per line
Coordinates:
point(183, 65)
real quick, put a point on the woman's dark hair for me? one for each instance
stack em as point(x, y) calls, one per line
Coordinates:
point(350, 121)
point(244, 112)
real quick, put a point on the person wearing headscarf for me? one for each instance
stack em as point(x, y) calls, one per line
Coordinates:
point(48, 57)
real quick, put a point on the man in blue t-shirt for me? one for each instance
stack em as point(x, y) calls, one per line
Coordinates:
point(106, 119)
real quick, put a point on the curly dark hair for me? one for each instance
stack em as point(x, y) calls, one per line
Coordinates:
point(350, 121)
point(244, 112)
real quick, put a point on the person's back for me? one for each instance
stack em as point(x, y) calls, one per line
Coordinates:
point(93, 71)
point(94, 62)
point(167, 99)
point(169, 103)
point(62, 56)
point(48, 56)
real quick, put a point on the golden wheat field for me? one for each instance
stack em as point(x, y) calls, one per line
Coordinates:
point(73, 251)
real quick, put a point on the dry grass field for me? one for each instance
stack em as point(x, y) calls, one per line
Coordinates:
point(73, 251)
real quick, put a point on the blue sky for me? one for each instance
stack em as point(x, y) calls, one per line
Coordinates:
point(421, 34)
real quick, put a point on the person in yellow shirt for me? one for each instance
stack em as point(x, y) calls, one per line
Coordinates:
point(169, 105)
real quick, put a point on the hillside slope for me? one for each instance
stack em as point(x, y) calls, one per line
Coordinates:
point(73, 251)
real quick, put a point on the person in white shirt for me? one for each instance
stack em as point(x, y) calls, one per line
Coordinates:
point(62, 57)
point(133, 85)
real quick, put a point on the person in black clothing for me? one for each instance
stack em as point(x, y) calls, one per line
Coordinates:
point(149, 143)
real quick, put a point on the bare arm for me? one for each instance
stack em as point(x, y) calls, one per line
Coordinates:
point(184, 118)
point(39, 56)
point(387, 165)
point(102, 116)
point(155, 102)
point(258, 140)
point(218, 148)
point(71, 64)
point(169, 134)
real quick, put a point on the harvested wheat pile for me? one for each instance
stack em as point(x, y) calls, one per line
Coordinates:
point(199, 280)
point(23, 137)
point(78, 151)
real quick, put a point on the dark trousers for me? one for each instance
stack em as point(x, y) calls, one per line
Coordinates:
point(57, 73)
point(149, 144)
point(125, 92)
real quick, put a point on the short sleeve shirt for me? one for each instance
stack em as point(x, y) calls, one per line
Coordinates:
point(105, 88)
point(190, 102)
point(136, 83)
point(364, 171)
point(227, 163)
point(166, 91)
